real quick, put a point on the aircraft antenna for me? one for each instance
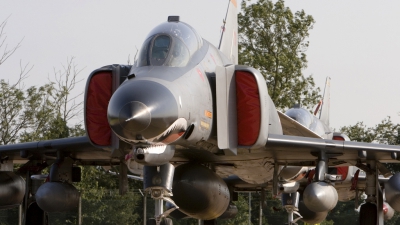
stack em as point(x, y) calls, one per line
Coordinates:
point(325, 106)
point(223, 26)
point(322, 101)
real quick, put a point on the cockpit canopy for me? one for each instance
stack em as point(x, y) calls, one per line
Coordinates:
point(302, 116)
point(169, 44)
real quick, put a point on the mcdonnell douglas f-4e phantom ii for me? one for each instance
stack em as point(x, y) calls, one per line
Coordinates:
point(200, 128)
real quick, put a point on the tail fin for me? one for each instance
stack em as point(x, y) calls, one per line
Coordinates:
point(229, 37)
point(326, 103)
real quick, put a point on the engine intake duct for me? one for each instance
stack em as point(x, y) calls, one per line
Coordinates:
point(12, 189)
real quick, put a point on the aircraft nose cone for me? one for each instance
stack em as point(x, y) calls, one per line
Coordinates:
point(141, 110)
point(134, 116)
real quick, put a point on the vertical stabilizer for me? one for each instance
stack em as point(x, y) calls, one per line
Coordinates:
point(229, 38)
point(326, 103)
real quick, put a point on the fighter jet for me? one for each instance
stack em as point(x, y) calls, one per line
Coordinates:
point(199, 128)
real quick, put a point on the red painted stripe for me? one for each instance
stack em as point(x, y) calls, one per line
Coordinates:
point(200, 74)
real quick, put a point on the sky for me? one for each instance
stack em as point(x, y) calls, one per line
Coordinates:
point(356, 43)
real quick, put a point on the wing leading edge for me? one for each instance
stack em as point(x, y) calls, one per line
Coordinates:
point(79, 147)
point(353, 150)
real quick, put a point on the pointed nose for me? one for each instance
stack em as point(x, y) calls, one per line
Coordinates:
point(141, 109)
point(134, 116)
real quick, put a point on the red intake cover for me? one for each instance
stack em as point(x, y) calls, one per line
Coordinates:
point(98, 95)
point(338, 138)
point(248, 108)
point(343, 170)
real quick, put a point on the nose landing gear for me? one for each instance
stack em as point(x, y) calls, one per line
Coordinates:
point(158, 182)
point(290, 202)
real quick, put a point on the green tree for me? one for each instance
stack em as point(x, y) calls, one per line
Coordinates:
point(385, 132)
point(36, 113)
point(12, 97)
point(101, 201)
point(273, 40)
point(242, 217)
point(359, 132)
point(344, 213)
point(6, 51)
point(327, 222)
point(39, 113)
point(42, 113)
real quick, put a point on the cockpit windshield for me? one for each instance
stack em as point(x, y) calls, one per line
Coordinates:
point(160, 50)
point(169, 44)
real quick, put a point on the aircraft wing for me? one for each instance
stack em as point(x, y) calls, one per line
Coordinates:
point(281, 148)
point(294, 128)
point(75, 147)
point(290, 143)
